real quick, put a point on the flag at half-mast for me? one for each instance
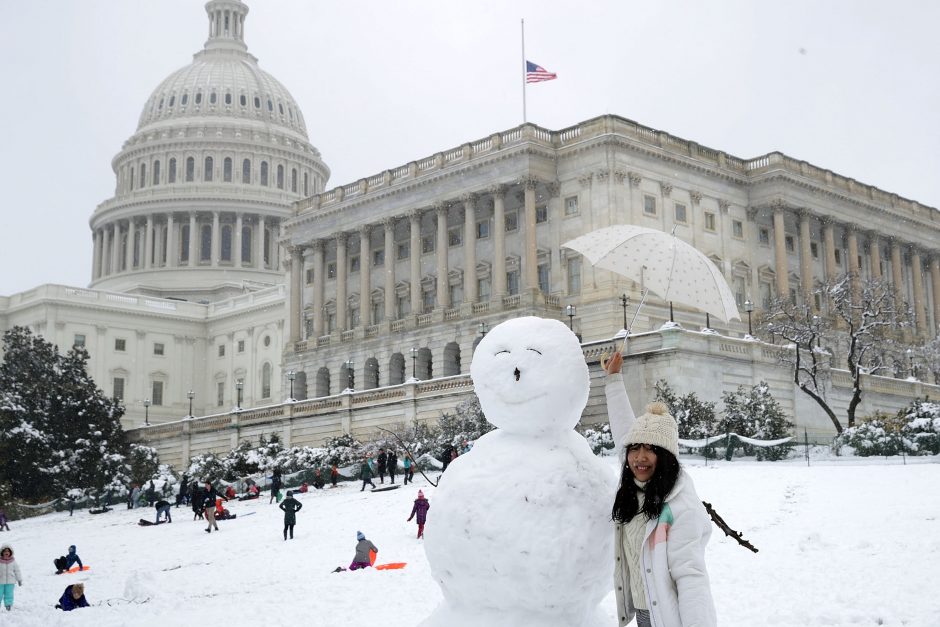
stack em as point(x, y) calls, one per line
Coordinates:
point(536, 73)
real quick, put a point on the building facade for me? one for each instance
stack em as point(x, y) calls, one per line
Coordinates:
point(226, 277)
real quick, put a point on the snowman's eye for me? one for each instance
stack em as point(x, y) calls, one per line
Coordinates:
point(534, 350)
point(501, 352)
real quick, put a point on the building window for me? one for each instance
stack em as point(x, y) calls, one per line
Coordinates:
point(266, 381)
point(156, 172)
point(793, 296)
point(427, 244)
point(257, 102)
point(838, 255)
point(512, 221)
point(402, 306)
point(817, 300)
point(574, 276)
point(709, 221)
point(483, 229)
point(158, 348)
point(309, 276)
point(227, 170)
point(737, 229)
point(143, 175)
point(306, 186)
point(117, 385)
point(354, 263)
point(571, 206)
point(184, 99)
point(243, 100)
point(378, 312)
point(680, 213)
point(205, 237)
point(814, 249)
point(226, 249)
point(246, 244)
point(456, 294)
point(512, 282)
point(404, 250)
point(221, 350)
point(764, 236)
point(190, 169)
point(266, 341)
point(455, 236)
point(270, 105)
point(280, 176)
point(739, 292)
point(171, 173)
point(484, 289)
point(213, 98)
point(246, 171)
point(428, 300)
point(207, 171)
point(220, 393)
point(649, 205)
point(120, 345)
point(241, 346)
point(544, 278)
point(293, 180)
point(264, 173)
point(331, 270)
point(765, 295)
point(789, 243)
point(228, 98)
point(79, 340)
point(378, 258)
point(541, 214)
point(156, 393)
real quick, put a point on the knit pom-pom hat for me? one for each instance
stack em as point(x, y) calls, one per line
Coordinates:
point(360, 535)
point(656, 427)
point(420, 494)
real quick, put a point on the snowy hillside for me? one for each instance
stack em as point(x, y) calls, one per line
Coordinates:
point(841, 543)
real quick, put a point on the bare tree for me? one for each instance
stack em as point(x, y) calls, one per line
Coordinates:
point(863, 324)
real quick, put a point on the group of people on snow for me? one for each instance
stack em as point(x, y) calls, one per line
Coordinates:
point(10, 577)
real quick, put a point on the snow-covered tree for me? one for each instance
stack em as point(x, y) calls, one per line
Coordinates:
point(754, 413)
point(466, 424)
point(598, 437)
point(144, 462)
point(921, 428)
point(695, 417)
point(863, 324)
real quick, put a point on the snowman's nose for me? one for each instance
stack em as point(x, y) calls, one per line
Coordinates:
point(517, 373)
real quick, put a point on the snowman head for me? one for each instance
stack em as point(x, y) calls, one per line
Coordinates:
point(530, 376)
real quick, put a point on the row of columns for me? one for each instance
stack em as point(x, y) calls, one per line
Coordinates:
point(468, 204)
point(161, 243)
point(831, 268)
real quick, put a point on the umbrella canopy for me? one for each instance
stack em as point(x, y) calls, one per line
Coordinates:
point(670, 268)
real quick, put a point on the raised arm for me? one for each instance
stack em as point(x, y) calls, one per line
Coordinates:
point(619, 411)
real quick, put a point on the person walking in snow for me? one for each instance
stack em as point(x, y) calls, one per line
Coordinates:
point(184, 488)
point(334, 475)
point(3, 522)
point(382, 460)
point(275, 485)
point(364, 548)
point(662, 527)
point(9, 575)
point(290, 506)
point(391, 464)
point(198, 500)
point(409, 465)
point(163, 507)
point(210, 496)
point(151, 494)
point(134, 496)
point(365, 473)
point(73, 598)
point(420, 509)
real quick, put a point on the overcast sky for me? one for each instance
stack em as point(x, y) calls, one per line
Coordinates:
point(848, 85)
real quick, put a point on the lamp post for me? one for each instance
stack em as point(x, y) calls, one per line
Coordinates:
point(624, 300)
point(571, 311)
point(414, 361)
point(770, 327)
point(147, 411)
point(239, 384)
point(910, 362)
point(350, 374)
point(749, 307)
point(190, 395)
point(483, 329)
point(291, 375)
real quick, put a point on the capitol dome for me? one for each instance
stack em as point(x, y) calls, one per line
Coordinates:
point(219, 155)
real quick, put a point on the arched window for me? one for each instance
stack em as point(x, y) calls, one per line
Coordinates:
point(280, 176)
point(184, 244)
point(396, 369)
point(270, 105)
point(138, 238)
point(280, 107)
point(266, 381)
point(190, 169)
point(227, 170)
point(371, 374)
point(257, 102)
point(306, 186)
point(226, 251)
point(243, 100)
point(212, 98)
point(143, 174)
point(246, 171)
point(264, 173)
point(198, 97)
point(171, 173)
point(246, 244)
point(160, 106)
point(293, 180)
point(451, 359)
point(205, 243)
point(207, 172)
point(228, 98)
point(323, 382)
point(184, 99)
point(156, 172)
point(131, 173)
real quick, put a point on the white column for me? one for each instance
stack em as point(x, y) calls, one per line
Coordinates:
point(365, 275)
point(470, 248)
point(259, 263)
point(296, 292)
point(129, 253)
point(106, 251)
point(499, 243)
point(96, 257)
point(415, 258)
point(531, 252)
point(193, 238)
point(319, 282)
point(781, 267)
point(148, 243)
point(443, 282)
point(237, 253)
point(917, 278)
point(390, 259)
point(342, 265)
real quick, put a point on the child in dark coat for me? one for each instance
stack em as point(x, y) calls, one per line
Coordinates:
point(72, 598)
point(290, 506)
point(3, 522)
point(420, 510)
point(62, 564)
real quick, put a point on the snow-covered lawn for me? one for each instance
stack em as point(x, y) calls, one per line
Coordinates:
point(841, 543)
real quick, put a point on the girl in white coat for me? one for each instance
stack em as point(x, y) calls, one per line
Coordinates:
point(9, 575)
point(661, 525)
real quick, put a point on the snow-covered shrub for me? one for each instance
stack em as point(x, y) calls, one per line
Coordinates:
point(343, 450)
point(461, 428)
point(598, 436)
point(144, 462)
point(921, 428)
point(754, 413)
point(696, 418)
point(874, 435)
point(205, 467)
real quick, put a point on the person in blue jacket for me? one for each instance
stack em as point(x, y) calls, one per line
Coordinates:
point(72, 598)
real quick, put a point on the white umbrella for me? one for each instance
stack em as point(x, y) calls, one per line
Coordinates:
point(667, 266)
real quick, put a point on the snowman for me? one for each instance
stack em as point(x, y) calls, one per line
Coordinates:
point(522, 534)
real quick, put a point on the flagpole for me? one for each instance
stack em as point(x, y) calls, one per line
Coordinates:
point(523, 72)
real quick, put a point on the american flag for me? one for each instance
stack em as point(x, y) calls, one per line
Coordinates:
point(536, 73)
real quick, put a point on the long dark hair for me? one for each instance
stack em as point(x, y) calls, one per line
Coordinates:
point(626, 503)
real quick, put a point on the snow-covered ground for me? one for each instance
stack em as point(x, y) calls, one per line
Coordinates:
point(840, 543)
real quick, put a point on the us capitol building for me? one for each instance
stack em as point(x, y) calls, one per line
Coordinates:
point(233, 294)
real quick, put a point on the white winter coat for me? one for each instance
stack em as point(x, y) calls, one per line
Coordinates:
point(672, 560)
point(10, 573)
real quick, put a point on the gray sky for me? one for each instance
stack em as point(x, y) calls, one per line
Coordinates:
point(848, 85)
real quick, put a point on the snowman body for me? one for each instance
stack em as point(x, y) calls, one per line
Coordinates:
point(521, 534)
